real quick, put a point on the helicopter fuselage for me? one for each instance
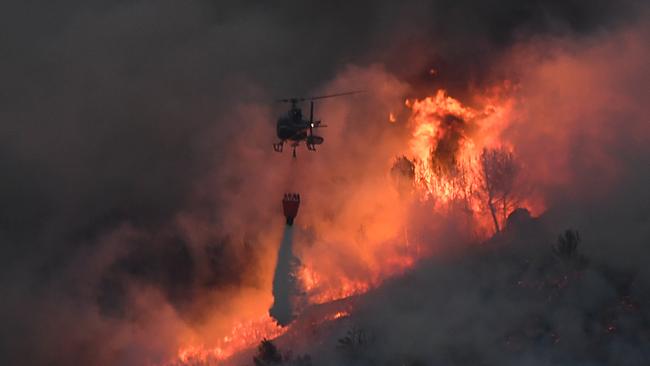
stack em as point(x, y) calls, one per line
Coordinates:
point(292, 126)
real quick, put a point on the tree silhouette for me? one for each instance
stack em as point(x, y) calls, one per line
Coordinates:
point(567, 245)
point(267, 354)
point(499, 172)
point(354, 342)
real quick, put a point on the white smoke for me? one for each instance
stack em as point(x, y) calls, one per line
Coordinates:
point(285, 286)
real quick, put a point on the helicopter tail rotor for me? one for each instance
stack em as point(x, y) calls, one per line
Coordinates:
point(311, 118)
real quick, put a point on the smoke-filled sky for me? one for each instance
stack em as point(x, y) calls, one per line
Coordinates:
point(140, 202)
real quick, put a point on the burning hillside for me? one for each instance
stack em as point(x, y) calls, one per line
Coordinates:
point(456, 159)
point(460, 156)
point(462, 165)
point(448, 151)
point(141, 220)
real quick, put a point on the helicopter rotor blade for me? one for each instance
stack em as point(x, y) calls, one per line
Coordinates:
point(290, 100)
point(335, 95)
point(302, 99)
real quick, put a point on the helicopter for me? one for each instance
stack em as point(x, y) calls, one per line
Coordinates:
point(293, 128)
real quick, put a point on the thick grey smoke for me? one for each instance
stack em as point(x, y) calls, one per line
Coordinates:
point(134, 134)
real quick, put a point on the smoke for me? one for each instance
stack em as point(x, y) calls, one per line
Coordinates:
point(139, 206)
point(586, 136)
point(581, 134)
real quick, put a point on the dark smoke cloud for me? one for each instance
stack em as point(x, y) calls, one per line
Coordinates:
point(122, 218)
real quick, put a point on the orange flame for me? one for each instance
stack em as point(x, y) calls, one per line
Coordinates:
point(319, 292)
point(243, 335)
point(428, 115)
point(446, 144)
point(340, 314)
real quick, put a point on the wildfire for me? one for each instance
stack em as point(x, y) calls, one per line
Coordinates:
point(340, 314)
point(243, 335)
point(439, 132)
point(443, 144)
point(447, 143)
point(319, 293)
point(444, 150)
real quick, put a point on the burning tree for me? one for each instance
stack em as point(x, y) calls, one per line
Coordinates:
point(499, 172)
point(403, 174)
point(445, 153)
point(455, 162)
